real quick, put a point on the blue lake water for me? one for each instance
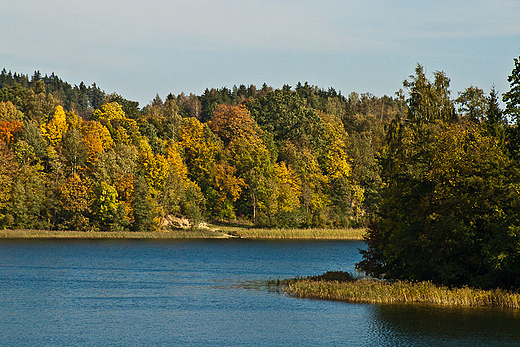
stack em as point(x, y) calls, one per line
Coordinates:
point(209, 292)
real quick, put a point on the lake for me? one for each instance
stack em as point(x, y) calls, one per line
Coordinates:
point(209, 292)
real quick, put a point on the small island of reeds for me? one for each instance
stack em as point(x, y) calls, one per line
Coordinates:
point(341, 286)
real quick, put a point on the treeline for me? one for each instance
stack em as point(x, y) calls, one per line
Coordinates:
point(435, 176)
point(75, 157)
point(450, 199)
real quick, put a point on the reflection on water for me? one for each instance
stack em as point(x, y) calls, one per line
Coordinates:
point(212, 292)
point(441, 326)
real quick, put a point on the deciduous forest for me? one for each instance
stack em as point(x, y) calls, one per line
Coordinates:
point(74, 157)
point(433, 174)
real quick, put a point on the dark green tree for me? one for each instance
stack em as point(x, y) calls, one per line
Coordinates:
point(512, 110)
point(143, 207)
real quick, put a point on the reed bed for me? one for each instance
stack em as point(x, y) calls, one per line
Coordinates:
point(62, 234)
point(381, 292)
point(211, 232)
point(304, 234)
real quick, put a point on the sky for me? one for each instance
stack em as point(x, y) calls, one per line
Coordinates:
point(139, 49)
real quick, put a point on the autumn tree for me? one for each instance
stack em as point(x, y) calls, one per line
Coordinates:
point(96, 138)
point(230, 122)
point(9, 112)
point(226, 189)
point(9, 129)
point(173, 198)
point(201, 150)
point(122, 129)
point(73, 203)
point(54, 129)
point(7, 172)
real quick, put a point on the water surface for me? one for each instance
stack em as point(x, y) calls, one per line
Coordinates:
point(208, 292)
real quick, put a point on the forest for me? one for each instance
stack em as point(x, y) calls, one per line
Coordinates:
point(433, 176)
point(76, 158)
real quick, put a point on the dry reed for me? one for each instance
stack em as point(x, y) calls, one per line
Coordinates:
point(374, 291)
point(63, 234)
point(212, 232)
point(304, 234)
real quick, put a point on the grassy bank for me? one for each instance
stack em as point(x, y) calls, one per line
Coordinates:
point(380, 292)
point(212, 232)
point(64, 234)
point(303, 234)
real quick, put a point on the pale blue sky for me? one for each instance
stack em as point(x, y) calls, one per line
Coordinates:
point(141, 48)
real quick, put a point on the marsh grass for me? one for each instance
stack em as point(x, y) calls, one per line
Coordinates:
point(381, 292)
point(211, 232)
point(63, 234)
point(306, 234)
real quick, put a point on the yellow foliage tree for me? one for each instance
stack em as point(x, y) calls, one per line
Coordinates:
point(154, 167)
point(53, 130)
point(125, 189)
point(336, 162)
point(289, 190)
point(96, 138)
point(74, 202)
point(201, 148)
point(228, 188)
point(8, 169)
point(122, 129)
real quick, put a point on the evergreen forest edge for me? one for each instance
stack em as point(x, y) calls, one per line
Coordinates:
point(434, 178)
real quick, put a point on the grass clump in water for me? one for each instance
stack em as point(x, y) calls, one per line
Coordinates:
point(307, 234)
point(344, 287)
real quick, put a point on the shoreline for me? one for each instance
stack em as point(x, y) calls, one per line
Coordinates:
point(202, 233)
point(371, 291)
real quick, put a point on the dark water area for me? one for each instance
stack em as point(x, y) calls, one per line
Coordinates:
point(209, 292)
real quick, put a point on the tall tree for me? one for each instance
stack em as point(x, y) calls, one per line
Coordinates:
point(429, 100)
point(512, 100)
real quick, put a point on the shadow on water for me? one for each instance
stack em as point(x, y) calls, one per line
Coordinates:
point(416, 324)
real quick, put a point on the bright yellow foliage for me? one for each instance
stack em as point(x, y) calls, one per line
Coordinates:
point(54, 129)
point(97, 139)
point(122, 129)
point(289, 191)
point(200, 148)
point(109, 112)
point(154, 167)
point(336, 161)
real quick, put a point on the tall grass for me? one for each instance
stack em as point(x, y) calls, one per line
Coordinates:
point(62, 234)
point(212, 232)
point(310, 234)
point(374, 291)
